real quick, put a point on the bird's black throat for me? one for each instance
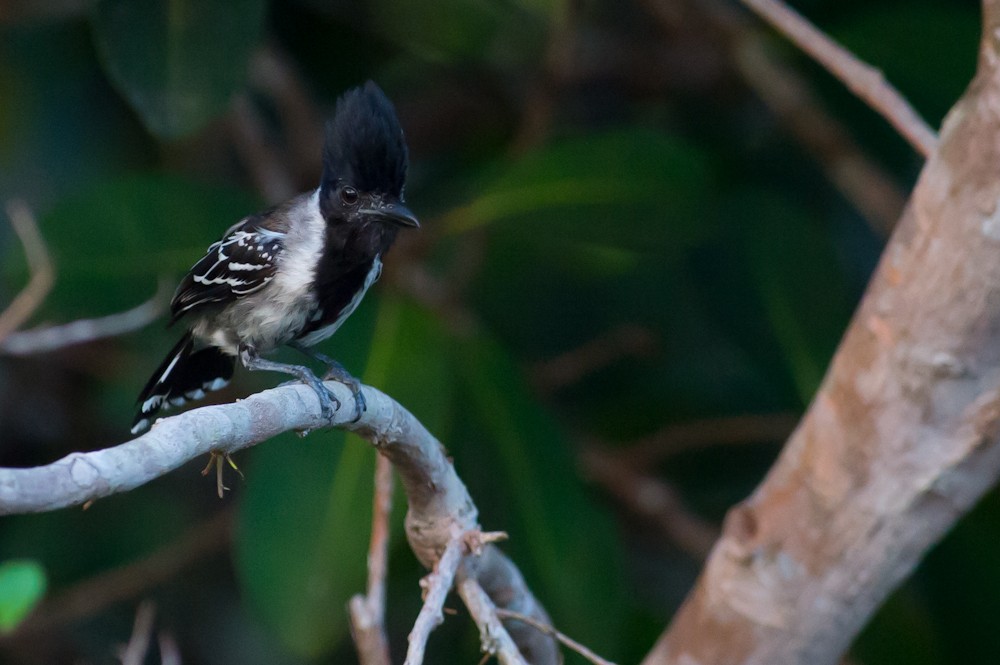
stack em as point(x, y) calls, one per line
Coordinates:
point(348, 256)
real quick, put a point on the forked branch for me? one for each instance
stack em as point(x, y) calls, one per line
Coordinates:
point(440, 507)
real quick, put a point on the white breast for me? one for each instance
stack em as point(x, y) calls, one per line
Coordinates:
point(303, 248)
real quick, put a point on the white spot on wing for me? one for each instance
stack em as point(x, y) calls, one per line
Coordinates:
point(220, 272)
point(151, 404)
point(217, 384)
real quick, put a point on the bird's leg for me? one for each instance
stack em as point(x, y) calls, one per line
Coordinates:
point(336, 372)
point(252, 361)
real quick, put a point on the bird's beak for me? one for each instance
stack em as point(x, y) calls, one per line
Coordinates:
point(396, 213)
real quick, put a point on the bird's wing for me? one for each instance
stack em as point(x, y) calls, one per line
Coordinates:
point(241, 263)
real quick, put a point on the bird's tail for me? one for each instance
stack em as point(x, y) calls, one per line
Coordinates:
point(185, 374)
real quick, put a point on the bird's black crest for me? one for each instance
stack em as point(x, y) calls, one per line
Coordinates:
point(364, 143)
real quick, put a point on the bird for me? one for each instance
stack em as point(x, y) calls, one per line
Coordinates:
point(291, 275)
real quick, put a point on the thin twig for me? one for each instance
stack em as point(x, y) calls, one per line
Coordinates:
point(570, 367)
point(273, 73)
point(277, 161)
point(790, 96)
point(871, 190)
point(476, 540)
point(263, 161)
point(436, 586)
point(51, 338)
point(653, 500)
point(378, 554)
point(170, 653)
point(368, 611)
point(39, 264)
point(495, 639)
point(862, 79)
point(135, 651)
point(542, 92)
point(549, 630)
point(727, 430)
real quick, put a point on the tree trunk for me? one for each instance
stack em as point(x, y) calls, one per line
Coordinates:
point(901, 439)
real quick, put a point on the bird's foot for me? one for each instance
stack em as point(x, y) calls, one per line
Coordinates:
point(215, 459)
point(252, 361)
point(328, 402)
point(336, 372)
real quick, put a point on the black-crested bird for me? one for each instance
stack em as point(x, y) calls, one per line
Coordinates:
point(291, 275)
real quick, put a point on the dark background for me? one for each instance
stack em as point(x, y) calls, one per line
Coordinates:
point(631, 253)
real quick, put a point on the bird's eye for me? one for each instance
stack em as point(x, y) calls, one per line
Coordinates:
point(349, 196)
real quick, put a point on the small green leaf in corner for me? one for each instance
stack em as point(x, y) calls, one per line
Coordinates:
point(22, 585)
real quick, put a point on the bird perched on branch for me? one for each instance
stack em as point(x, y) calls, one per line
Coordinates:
point(291, 275)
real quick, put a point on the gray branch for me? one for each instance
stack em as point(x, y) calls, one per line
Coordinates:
point(52, 338)
point(439, 504)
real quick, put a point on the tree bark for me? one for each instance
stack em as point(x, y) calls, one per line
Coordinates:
point(901, 439)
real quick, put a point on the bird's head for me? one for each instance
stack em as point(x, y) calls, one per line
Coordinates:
point(364, 162)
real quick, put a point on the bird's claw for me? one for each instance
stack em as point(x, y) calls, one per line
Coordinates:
point(215, 459)
point(328, 402)
point(336, 372)
point(360, 404)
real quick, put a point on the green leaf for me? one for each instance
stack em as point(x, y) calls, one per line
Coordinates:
point(60, 130)
point(567, 546)
point(22, 585)
point(409, 362)
point(306, 518)
point(634, 189)
point(177, 62)
point(800, 282)
point(111, 243)
point(303, 535)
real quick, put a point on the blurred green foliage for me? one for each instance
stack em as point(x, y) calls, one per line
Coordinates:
point(580, 169)
point(177, 62)
point(150, 225)
point(22, 584)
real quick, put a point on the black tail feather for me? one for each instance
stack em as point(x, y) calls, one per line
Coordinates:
point(185, 374)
